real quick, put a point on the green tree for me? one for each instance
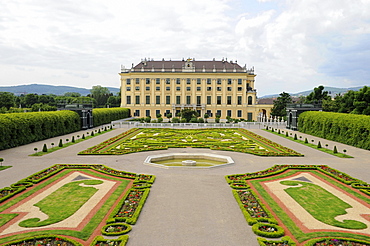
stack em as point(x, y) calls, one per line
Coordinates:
point(100, 94)
point(206, 116)
point(7, 100)
point(114, 101)
point(188, 114)
point(317, 96)
point(169, 116)
point(72, 94)
point(279, 108)
point(31, 99)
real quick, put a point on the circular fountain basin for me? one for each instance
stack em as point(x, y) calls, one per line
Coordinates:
point(188, 160)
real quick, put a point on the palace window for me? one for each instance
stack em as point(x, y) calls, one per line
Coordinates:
point(218, 113)
point(157, 88)
point(188, 81)
point(147, 88)
point(219, 100)
point(209, 88)
point(229, 100)
point(208, 81)
point(137, 99)
point(128, 88)
point(128, 99)
point(168, 99)
point(239, 100)
point(229, 81)
point(137, 88)
point(137, 113)
point(209, 100)
point(188, 99)
point(218, 81)
point(157, 99)
point(240, 88)
point(147, 112)
point(198, 88)
point(218, 88)
point(228, 113)
point(158, 81)
point(240, 82)
point(249, 100)
point(147, 81)
point(178, 99)
point(177, 81)
point(147, 99)
point(228, 88)
point(199, 100)
point(188, 88)
point(198, 81)
point(137, 81)
point(178, 88)
point(168, 88)
point(128, 81)
point(239, 113)
point(168, 81)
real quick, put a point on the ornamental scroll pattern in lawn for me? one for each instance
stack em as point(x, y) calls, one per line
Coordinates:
point(238, 140)
point(98, 192)
point(310, 204)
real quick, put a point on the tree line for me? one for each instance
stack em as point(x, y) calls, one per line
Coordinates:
point(351, 102)
point(99, 97)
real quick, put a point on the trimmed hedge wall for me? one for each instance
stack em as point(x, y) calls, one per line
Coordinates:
point(22, 128)
point(106, 115)
point(349, 129)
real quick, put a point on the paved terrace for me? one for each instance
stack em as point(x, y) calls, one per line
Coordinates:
point(186, 206)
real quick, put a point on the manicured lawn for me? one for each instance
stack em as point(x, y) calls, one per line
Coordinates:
point(4, 167)
point(63, 202)
point(321, 204)
point(67, 199)
point(239, 140)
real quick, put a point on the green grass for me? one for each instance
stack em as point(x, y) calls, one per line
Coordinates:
point(4, 167)
point(86, 232)
point(321, 204)
point(238, 140)
point(5, 218)
point(314, 146)
point(63, 202)
point(65, 145)
point(289, 223)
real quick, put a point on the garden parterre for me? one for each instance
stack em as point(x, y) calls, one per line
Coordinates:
point(117, 196)
point(239, 140)
point(265, 209)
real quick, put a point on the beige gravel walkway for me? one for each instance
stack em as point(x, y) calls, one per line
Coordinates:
point(185, 207)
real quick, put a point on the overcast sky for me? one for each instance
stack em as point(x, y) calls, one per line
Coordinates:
point(294, 45)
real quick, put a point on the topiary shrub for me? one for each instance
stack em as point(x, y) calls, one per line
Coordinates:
point(60, 143)
point(286, 134)
point(335, 151)
point(44, 148)
point(83, 136)
point(295, 136)
point(319, 145)
point(306, 140)
point(73, 139)
point(268, 230)
point(92, 133)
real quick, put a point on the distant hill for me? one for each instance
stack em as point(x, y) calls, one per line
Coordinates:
point(333, 91)
point(49, 89)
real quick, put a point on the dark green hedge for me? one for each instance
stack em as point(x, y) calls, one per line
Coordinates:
point(349, 129)
point(22, 128)
point(106, 115)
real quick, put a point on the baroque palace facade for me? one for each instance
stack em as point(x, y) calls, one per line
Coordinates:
point(213, 87)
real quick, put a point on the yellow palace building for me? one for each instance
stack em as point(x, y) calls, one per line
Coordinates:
point(213, 87)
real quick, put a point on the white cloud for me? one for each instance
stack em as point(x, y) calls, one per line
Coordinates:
point(294, 45)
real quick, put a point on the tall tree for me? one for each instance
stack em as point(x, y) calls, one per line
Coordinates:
point(318, 95)
point(100, 94)
point(7, 100)
point(188, 114)
point(279, 108)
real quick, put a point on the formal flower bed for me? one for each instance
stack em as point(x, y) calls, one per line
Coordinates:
point(44, 240)
point(254, 211)
point(285, 241)
point(128, 210)
point(116, 229)
point(337, 242)
point(268, 230)
point(239, 140)
point(101, 241)
point(258, 215)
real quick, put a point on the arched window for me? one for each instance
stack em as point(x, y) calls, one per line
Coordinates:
point(250, 100)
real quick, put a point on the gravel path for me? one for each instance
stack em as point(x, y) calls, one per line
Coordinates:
point(185, 206)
